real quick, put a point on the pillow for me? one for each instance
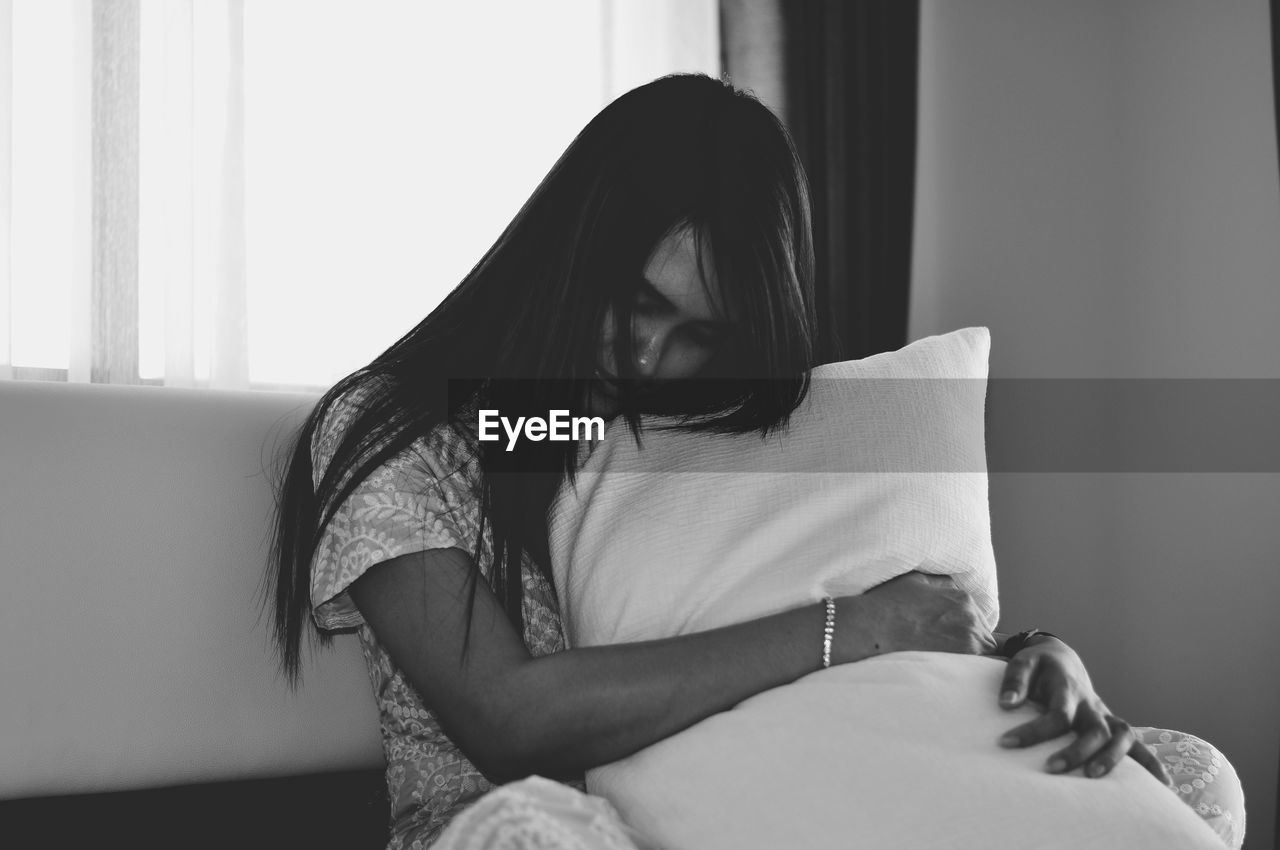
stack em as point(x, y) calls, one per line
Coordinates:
point(880, 472)
point(897, 752)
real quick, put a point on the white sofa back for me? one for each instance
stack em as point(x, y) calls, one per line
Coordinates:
point(134, 526)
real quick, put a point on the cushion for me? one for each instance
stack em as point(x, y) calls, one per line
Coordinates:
point(881, 471)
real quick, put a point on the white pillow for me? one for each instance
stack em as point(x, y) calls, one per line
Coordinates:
point(881, 471)
point(897, 752)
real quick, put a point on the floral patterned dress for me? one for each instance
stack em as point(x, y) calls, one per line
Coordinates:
point(424, 498)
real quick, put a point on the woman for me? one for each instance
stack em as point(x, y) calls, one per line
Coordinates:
point(671, 240)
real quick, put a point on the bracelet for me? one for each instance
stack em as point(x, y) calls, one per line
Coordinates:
point(1018, 642)
point(828, 631)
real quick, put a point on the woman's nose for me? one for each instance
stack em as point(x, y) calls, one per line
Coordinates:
point(648, 346)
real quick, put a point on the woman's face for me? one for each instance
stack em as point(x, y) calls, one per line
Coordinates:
point(678, 324)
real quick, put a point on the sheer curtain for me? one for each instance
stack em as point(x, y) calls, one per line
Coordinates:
point(225, 194)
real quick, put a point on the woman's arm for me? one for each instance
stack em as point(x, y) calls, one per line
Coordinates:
point(561, 714)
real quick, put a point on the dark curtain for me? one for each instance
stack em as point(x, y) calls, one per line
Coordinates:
point(850, 91)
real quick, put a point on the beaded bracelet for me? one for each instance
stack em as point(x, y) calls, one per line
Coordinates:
point(828, 631)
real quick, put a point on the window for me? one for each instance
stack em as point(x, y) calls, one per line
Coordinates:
point(268, 193)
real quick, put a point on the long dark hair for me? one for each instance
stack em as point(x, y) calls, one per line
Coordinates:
point(521, 332)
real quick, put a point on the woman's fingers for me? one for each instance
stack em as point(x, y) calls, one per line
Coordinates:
point(1150, 761)
point(1122, 739)
point(1057, 720)
point(1101, 743)
point(1017, 680)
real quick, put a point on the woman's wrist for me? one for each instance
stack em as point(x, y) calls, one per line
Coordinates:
point(855, 637)
point(1015, 644)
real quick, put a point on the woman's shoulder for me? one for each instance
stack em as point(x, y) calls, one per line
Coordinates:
point(423, 496)
point(443, 452)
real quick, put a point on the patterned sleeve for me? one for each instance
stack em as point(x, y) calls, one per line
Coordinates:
point(413, 502)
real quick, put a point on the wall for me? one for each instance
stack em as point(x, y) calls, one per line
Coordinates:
point(1097, 183)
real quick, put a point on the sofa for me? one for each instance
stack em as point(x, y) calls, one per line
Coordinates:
point(141, 703)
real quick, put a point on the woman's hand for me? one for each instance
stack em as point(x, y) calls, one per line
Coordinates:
point(914, 611)
point(1051, 675)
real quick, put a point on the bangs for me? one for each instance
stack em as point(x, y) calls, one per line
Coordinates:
point(758, 378)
